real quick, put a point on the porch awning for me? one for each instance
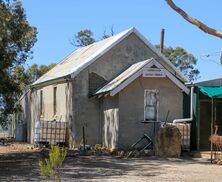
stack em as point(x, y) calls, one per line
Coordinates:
point(212, 92)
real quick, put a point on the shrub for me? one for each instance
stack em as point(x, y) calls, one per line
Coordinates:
point(50, 167)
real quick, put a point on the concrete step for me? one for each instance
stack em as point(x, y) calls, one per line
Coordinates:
point(206, 154)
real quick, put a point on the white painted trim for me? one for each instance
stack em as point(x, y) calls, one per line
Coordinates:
point(138, 73)
point(126, 82)
point(74, 72)
point(177, 82)
point(155, 50)
point(157, 107)
point(153, 73)
point(101, 52)
point(157, 64)
point(117, 81)
point(172, 77)
point(106, 48)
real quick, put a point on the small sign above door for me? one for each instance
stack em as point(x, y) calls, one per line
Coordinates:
point(153, 72)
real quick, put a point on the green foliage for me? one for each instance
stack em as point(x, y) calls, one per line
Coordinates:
point(36, 71)
point(24, 77)
point(50, 167)
point(17, 38)
point(183, 60)
point(84, 38)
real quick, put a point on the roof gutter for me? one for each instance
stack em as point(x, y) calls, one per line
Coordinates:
point(49, 82)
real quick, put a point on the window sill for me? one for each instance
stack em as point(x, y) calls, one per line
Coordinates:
point(144, 121)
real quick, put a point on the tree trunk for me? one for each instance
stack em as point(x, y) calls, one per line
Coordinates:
point(194, 21)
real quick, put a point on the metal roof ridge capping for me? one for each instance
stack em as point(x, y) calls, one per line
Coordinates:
point(79, 59)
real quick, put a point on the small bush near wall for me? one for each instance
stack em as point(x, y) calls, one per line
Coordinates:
point(50, 167)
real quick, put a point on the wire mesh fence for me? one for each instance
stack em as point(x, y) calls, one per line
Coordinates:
point(50, 133)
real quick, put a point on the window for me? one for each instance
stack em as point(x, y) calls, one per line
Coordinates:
point(151, 104)
point(54, 100)
point(41, 102)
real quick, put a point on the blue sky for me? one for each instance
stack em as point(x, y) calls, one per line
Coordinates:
point(58, 21)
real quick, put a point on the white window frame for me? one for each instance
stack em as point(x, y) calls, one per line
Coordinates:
point(157, 107)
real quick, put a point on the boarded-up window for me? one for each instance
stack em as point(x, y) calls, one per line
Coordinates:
point(41, 102)
point(55, 100)
point(151, 102)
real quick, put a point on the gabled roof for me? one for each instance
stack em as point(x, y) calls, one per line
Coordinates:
point(123, 76)
point(82, 57)
point(133, 72)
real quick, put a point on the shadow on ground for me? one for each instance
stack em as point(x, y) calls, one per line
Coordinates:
point(19, 166)
point(102, 168)
point(24, 167)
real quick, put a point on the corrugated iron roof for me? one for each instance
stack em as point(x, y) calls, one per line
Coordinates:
point(82, 57)
point(213, 82)
point(79, 58)
point(133, 72)
point(123, 76)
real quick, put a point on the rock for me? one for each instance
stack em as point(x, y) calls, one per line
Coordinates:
point(121, 153)
point(76, 150)
point(103, 149)
point(147, 153)
point(90, 152)
point(98, 147)
point(113, 152)
point(136, 153)
point(168, 142)
point(215, 161)
point(73, 153)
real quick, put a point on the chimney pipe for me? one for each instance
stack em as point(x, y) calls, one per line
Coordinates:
point(162, 40)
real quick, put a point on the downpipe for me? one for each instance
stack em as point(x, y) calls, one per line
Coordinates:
point(186, 120)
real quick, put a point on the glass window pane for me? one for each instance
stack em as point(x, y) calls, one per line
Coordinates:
point(150, 105)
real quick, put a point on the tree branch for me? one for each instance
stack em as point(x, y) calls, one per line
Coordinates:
point(194, 21)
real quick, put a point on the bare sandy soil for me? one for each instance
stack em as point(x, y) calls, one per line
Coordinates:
point(23, 167)
point(16, 148)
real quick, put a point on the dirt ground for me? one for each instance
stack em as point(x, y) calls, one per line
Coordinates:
point(16, 148)
point(22, 166)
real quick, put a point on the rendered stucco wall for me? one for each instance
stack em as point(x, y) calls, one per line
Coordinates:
point(86, 110)
point(31, 103)
point(131, 108)
point(48, 113)
point(110, 121)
